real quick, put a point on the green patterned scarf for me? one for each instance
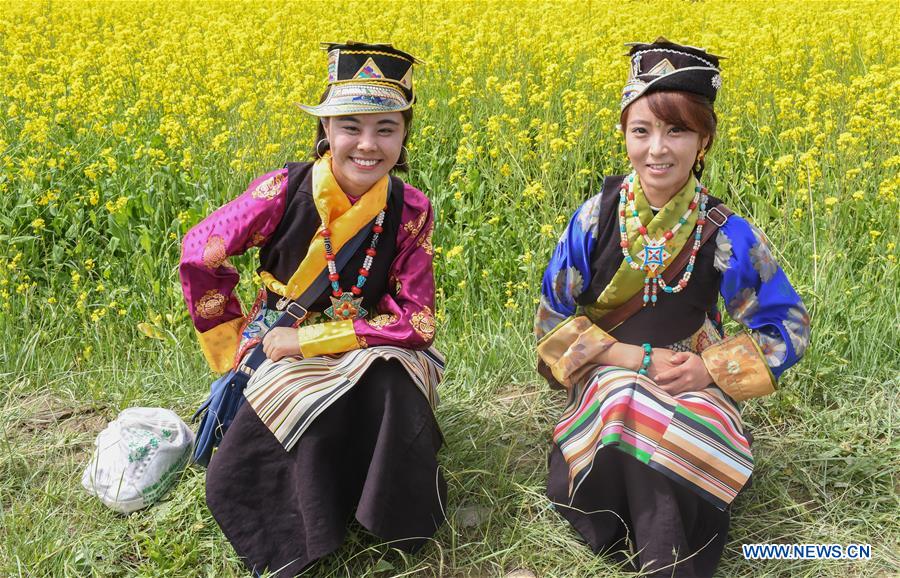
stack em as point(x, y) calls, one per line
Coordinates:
point(627, 281)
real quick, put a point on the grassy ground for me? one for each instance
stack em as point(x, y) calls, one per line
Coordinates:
point(826, 472)
point(121, 128)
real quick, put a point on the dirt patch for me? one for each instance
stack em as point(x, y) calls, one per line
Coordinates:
point(46, 412)
point(472, 515)
point(66, 420)
point(86, 422)
point(804, 500)
point(511, 396)
point(41, 415)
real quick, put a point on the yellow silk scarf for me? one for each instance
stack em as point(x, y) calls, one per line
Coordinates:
point(342, 218)
point(627, 281)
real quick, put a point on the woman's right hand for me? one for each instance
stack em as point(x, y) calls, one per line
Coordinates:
point(281, 342)
point(661, 360)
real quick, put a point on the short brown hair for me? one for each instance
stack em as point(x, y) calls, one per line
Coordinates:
point(402, 165)
point(685, 109)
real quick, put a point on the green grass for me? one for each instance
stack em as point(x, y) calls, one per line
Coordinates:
point(825, 446)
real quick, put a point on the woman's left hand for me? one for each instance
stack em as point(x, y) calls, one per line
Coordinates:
point(281, 342)
point(689, 374)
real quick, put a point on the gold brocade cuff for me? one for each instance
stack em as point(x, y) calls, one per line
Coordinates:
point(325, 338)
point(220, 343)
point(739, 368)
point(572, 349)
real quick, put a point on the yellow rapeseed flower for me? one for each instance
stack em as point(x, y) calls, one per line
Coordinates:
point(455, 251)
point(517, 132)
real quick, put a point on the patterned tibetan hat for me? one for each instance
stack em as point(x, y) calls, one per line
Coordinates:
point(366, 78)
point(664, 65)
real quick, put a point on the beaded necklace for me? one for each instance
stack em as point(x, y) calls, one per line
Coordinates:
point(349, 305)
point(654, 254)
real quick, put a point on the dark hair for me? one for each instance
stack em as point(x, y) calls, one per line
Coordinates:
point(686, 109)
point(402, 165)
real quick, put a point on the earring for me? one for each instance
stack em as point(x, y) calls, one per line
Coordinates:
point(697, 165)
point(405, 153)
point(322, 154)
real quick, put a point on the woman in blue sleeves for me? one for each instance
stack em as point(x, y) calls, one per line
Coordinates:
point(650, 451)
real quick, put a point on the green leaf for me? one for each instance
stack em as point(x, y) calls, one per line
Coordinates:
point(150, 331)
point(383, 566)
point(145, 241)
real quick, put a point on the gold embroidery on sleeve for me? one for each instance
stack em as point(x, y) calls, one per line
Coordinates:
point(423, 323)
point(413, 227)
point(739, 368)
point(572, 348)
point(269, 188)
point(311, 332)
point(257, 240)
point(214, 255)
point(211, 305)
point(379, 321)
point(425, 241)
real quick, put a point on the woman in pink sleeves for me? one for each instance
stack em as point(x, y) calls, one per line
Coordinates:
point(338, 420)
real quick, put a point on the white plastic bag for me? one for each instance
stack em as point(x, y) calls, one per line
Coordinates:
point(137, 458)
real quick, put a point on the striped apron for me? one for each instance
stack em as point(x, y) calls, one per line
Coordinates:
point(695, 438)
point(289, 394)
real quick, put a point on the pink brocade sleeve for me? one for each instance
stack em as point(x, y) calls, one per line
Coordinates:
point(208, 279)
point(405, 314)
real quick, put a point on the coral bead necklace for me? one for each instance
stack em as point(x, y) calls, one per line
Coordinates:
point(348, 305)
point(654, 254)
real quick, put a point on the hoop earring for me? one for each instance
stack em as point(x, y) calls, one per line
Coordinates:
point(405, 153)
point(325, 140)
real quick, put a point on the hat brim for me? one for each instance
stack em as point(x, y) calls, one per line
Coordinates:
point(359, 98)
point(695, 79)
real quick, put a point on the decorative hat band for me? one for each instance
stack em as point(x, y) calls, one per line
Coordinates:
point(664, 65)
point(366, 78)
point(354, 98)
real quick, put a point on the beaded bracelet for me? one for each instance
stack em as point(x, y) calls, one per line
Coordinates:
point(645, 363)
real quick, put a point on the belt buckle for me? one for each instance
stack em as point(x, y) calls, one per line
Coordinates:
point(297, 311)
point(722, 216)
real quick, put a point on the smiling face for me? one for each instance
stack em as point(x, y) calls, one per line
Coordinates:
point(364, 148)
point(661, 153)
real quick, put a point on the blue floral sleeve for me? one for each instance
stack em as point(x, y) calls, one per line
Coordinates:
point(569, 271)
point(758, 294)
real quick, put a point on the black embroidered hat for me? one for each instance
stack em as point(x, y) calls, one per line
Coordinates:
point(664, 65)
point(366, 78)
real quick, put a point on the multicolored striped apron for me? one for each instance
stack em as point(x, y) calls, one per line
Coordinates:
point(694, 438)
